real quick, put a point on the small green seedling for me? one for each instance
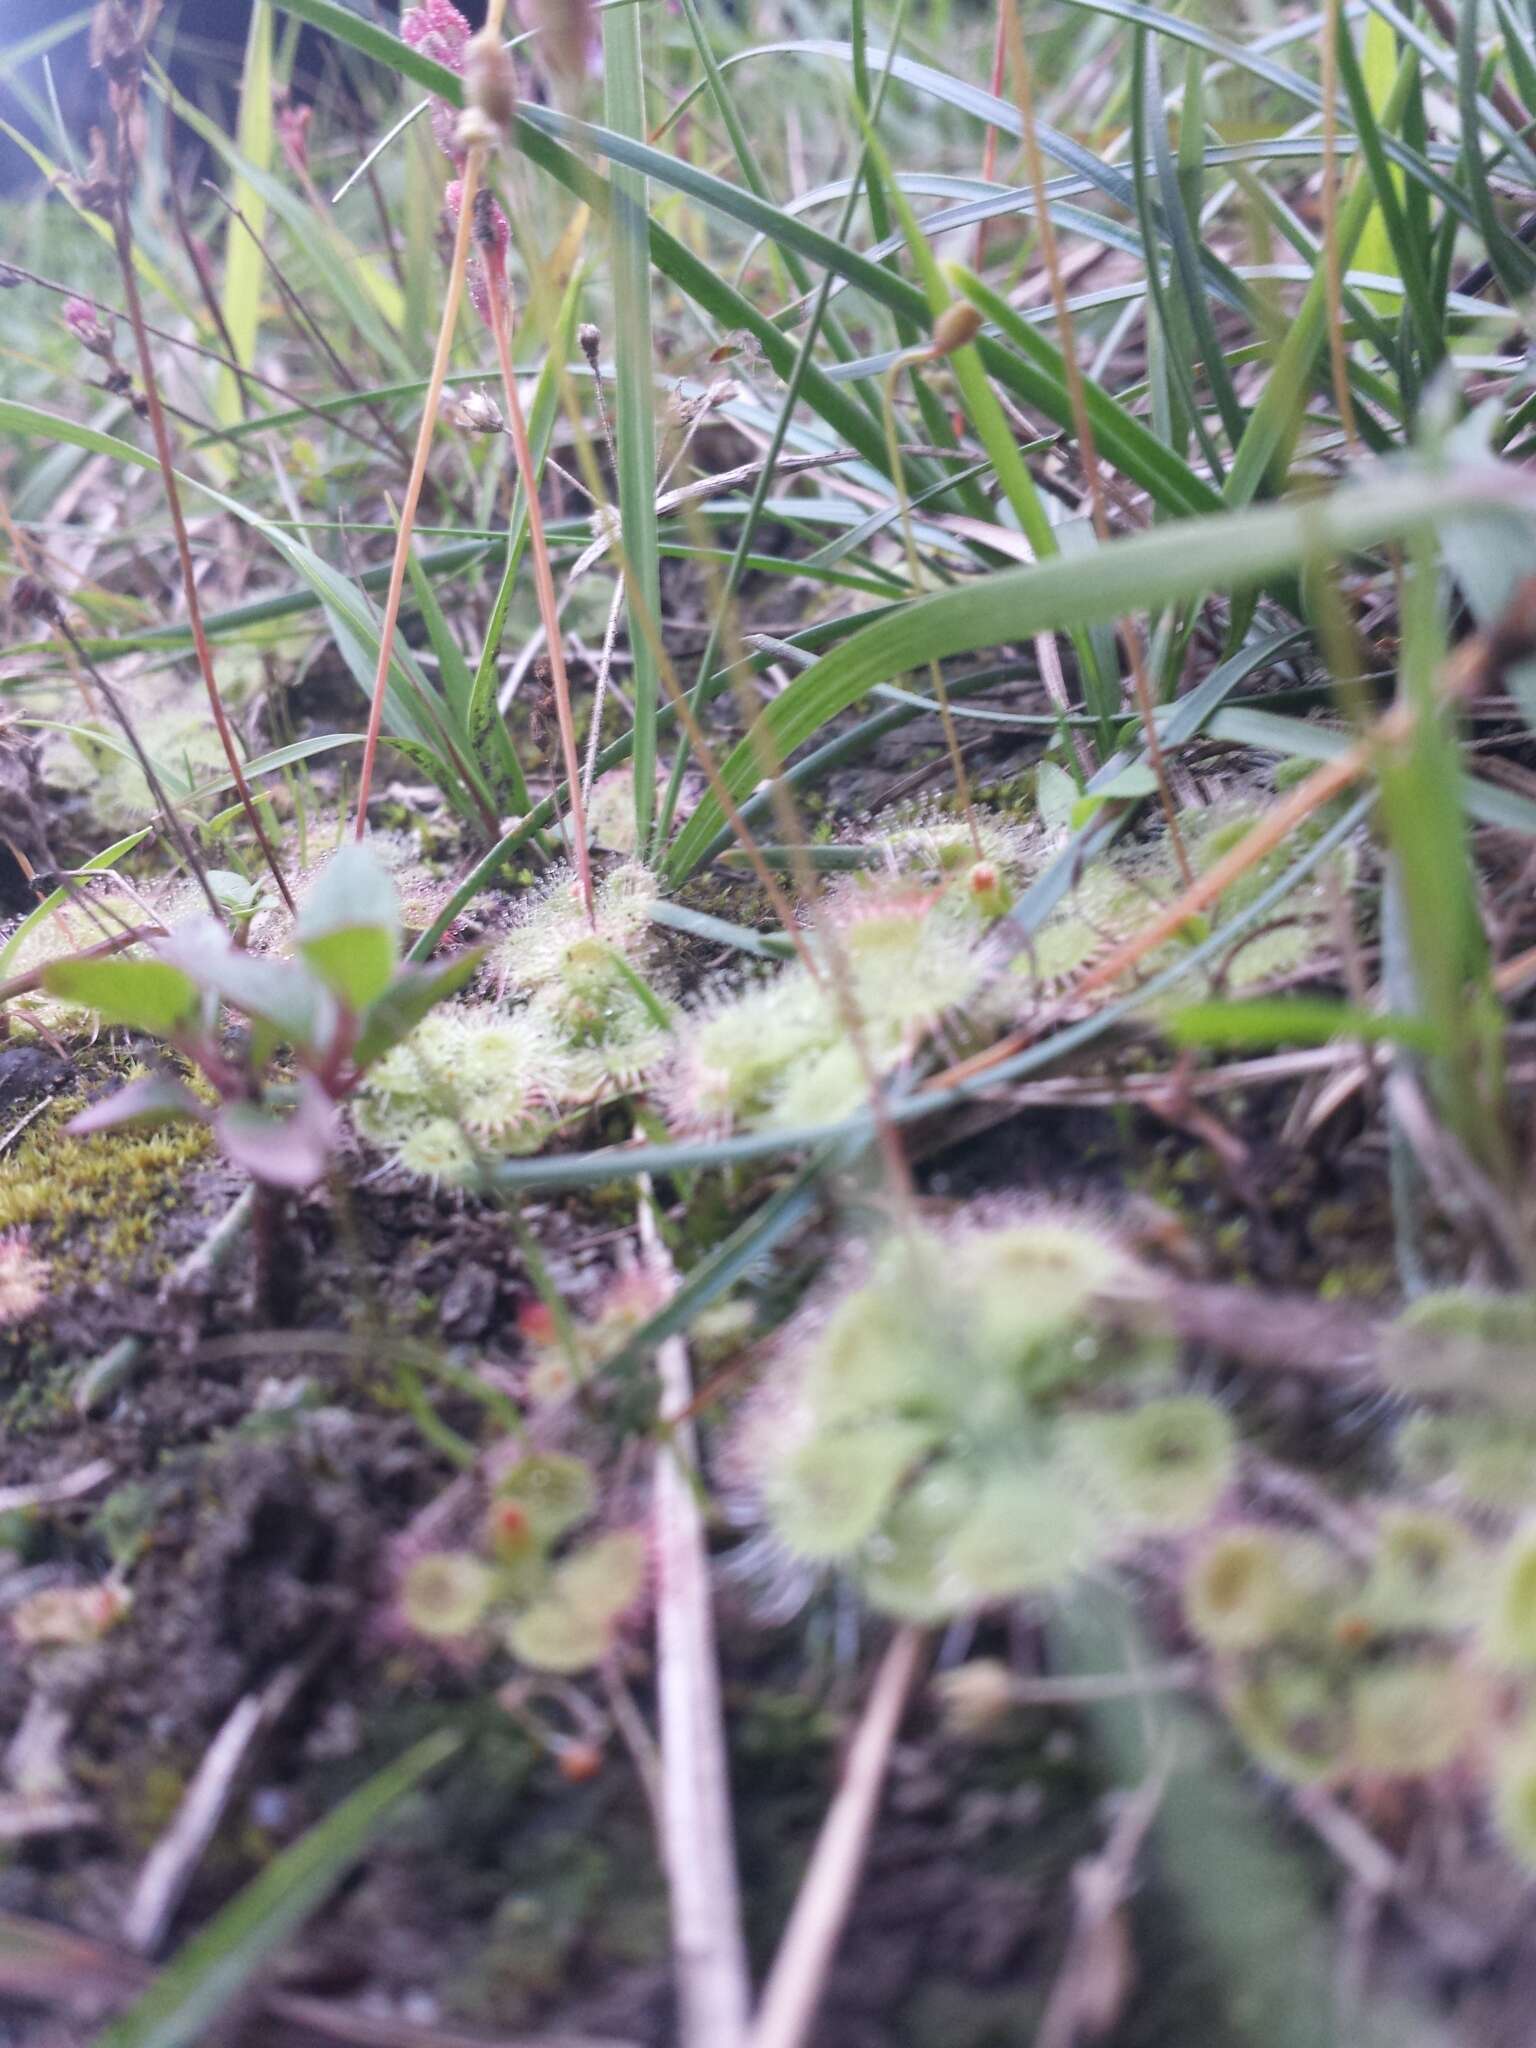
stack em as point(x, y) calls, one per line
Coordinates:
point(311, 1026)
point(555, 1609)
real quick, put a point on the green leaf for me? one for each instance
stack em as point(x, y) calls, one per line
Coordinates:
point(413, 992)
point(635, 392)
point(146, 995)
point(283, 1150)
point(349, 928)
point(216, 1965)
point(243, 260)
point(354, 964)
point(1294, 1020)
point(277, 992)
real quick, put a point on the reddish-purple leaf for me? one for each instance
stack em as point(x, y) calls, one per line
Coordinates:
point(156, 1099)
point(289, 1150)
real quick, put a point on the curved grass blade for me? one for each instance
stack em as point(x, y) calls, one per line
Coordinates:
point(216, 1965)
point(1237, 551)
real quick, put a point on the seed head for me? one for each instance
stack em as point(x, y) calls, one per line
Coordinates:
point(490, 81)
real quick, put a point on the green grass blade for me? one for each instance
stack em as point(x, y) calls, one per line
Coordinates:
point(1035, 374)
point(1235, 552)
point(243, 261)
point(1513, 263)
point(634, 405)
point(1263, 454)
point(457, 683)
point(216, 1965)
point(1183, 234)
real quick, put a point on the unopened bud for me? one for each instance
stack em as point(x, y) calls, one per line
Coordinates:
point(475, 129)
point(989, 889)
point(975, 1697)
point(958, 324)
point(590, 340)
point(478, 413)
point(490, 82)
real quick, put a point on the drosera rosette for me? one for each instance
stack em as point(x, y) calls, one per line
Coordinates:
point(976, 862)
point(780, 1053)
point(533, 1579)
point(553, 940)
point(1125, 887)
point(471, 1082)
point(929, 1431)
point(565, 1352)
point(736, 1047)
point(908, 967)
point(1341, 1669)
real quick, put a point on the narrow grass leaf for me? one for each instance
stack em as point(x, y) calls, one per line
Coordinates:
point(214, 1968)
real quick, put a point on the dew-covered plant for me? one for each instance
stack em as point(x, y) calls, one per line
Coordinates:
point(1409, 1654)
point(526, 1586)
point(985, 1412)
point(778, 1053)
point(1115, 895)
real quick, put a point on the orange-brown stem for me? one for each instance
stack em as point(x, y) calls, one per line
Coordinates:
point(451, 302)
point(123, 240)
point(543, 578)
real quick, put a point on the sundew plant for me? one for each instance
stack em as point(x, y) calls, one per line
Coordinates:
point(767, 805)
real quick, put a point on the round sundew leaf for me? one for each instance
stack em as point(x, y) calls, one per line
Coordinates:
point(1413, 1716)
point(447, 1593)
point(880, 1351)
point(1468, 1344)
point(553, 1490)
point(604, 1578)
point(1028, 1531)
point(1511, 1628)
point(902, 1566)
point(553, 1636)
point(1163, 1466)
point(1295, 1716)
point(1029, 1291)
point(1428, 1572)
point(831, 1493)
point(1245, 1588)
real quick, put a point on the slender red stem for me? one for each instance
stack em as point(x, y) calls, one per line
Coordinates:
point(543, 577)
point(451, 302)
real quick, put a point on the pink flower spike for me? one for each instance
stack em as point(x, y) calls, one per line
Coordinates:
point(88, 328)
point(438, 30)
point(293, 133)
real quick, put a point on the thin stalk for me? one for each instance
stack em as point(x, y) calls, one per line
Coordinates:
point(1333, 270)
point(1024, 93)
point(473, 164)
point(172, 817)
point(798, 1978)
point(699, 1851)
point(915, 575)
point(543, 577)
point(122, 235)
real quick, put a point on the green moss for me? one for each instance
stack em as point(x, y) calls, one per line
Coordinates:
point(96, 1204)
